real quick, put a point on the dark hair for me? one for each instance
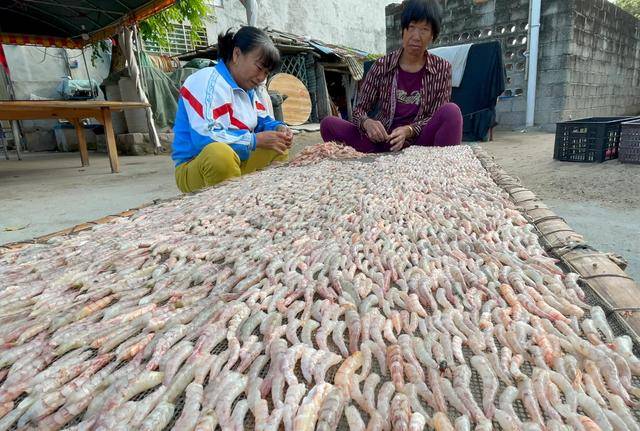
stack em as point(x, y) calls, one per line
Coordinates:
point(422, 10)
point(248, 39)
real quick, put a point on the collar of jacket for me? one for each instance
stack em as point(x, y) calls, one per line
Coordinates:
point(395, 61)
point(224, 72)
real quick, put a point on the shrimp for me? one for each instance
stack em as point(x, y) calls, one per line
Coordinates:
point(331, 410)
point(529, 400)
point(594, 411)
point(507, 397)
point(612, 378)
point(590, 331)
point(451, 396)
point(441, 422)
point(496, 364)
point(400, 412)
point(354, 325)
point(600, 322)
point(325, 361)
point(461, 379)
point(338, 338)
point(292, 400)
point(618, 406)
point(191, 411)
point(411, 392)
point(507, 421)
point(456, 346)
point(406, 347)
point(308, 412)
point(369, 390)
point(395, 364)
point(424, 355)
point(462, 423)
point(354, 420)
point(417, 422)
point(514, 368)
point(159, 418)
point(538, 384)
point(228, 393)
point(345, 373)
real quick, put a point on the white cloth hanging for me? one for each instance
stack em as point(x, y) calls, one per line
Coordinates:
point(457, 56)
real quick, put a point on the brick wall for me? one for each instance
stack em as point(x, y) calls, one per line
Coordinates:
point(589, 55)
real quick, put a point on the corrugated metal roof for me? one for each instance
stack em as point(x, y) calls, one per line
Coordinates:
point(355, 67)
point(351, 58)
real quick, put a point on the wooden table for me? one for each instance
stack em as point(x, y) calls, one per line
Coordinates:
point(73, 111)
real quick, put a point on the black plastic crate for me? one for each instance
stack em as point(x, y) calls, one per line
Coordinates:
point(589, 140)
point(629, 151)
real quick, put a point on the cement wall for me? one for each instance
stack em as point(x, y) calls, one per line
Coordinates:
point(36, 72)
point(603, 61)
point(556, 25)
point(356, 23)
point(589, 57)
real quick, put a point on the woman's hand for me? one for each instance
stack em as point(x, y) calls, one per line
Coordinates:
point(375, 130)
point(285, 129)
point(273, 140)
point(399, 136)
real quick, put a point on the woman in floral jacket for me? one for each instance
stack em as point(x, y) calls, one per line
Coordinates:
point(410, 89)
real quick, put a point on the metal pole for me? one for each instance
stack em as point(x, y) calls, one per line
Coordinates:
point(15, 131)
point(532, 79)
point(3, 140)
point(15, 125)
point(143, 79)
point(86, 68)
point(65, 54)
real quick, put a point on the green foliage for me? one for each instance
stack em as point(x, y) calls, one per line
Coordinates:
point(631, 6)
point(97, 50)
point(373, 56)
point(155, 28)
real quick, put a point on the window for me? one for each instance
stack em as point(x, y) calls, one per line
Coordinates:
point(179, 41)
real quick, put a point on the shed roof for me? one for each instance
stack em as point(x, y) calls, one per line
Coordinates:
point(70, 23)
point(288, 43)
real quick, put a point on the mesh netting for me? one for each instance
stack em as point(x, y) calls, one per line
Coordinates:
point(171, 311)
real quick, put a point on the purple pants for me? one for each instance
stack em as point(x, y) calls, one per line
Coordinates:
point(443, 129)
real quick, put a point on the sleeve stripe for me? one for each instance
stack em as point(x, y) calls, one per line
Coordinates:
point(239, 124)
point(221, 110)
point(195, 104)
point(228, 109)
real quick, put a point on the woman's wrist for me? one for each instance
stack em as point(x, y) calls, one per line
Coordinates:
point(410, 132)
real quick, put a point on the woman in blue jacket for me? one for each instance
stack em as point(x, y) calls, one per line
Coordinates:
point(222, 128)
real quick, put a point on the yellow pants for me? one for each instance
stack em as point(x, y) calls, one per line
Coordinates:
point(218, 162)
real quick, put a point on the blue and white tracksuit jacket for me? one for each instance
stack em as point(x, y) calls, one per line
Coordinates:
point(213, 108)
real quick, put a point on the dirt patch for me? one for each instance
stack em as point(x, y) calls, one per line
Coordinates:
point(303, 140)
point(529, 156)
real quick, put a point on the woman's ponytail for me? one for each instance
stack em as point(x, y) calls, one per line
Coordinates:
point(226, 45)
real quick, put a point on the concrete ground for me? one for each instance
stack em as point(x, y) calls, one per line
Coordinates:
point(47, 192)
